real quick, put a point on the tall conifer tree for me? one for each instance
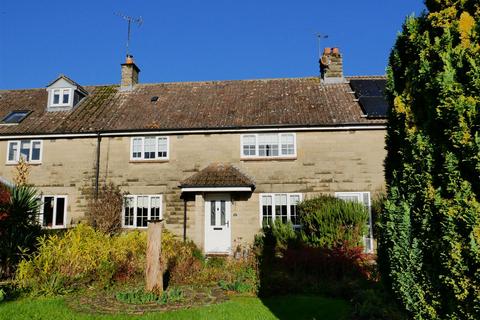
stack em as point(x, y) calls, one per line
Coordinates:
point(429, 246)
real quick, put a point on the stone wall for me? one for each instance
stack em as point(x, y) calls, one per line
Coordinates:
point(326, 162)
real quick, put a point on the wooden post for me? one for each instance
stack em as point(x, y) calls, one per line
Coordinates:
point(154, 269)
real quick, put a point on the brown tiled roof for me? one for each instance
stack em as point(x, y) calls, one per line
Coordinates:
point(218, 175)
point(190, 105)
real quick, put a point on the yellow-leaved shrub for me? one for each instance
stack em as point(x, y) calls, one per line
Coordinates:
point(83, 256)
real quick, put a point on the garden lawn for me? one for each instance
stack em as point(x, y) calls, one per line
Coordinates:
point(288, 307)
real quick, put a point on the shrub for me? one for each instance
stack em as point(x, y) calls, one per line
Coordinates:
point(104, 212)
point(84, 257)
point(372, 302)
point(278, 236)
point(341, 262)
point(429, 242)
point(288, 265)
point(140, 296)
point(231, 274)
point(19, 226)
point(283, 233)
point(329, 222)
point(378, 205)
point(81, 256)
point(240, 276)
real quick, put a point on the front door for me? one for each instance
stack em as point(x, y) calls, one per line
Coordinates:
point(217, 224)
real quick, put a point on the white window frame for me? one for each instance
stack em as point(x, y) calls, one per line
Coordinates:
point(54, 217)
point(156, 158)
point(60, 100)
point(135, 196)
point(261, 195)
point(368, 240)
point(280, 155)
point(17, 158)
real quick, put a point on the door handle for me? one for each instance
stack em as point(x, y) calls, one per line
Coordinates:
point(228, 224)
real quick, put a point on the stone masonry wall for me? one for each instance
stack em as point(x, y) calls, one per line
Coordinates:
point(326, 162)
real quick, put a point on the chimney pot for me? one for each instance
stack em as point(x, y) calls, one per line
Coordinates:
point(130, 73)
point(331, 66)
point(129, 59)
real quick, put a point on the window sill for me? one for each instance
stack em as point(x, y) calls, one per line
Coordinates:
point(29, 163)
point(149, 161)
point(268, 158)
point(134, 228)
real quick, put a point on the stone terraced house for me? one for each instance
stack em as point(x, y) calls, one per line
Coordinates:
point(216, 160)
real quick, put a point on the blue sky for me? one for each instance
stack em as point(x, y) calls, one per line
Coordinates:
point(192, 40)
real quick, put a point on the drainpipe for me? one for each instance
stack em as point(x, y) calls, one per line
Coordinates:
point(97, 172)
point(185, 219)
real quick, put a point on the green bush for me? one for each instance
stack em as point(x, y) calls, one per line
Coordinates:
point(329, 222)
point(283, 233)
point(231, 274)
point(378, 205)
point(278, 236)
point(374, 303)
point(140, 296)
point(244, 280)
point(289, 265)
point(237, 286)
point(19, 226)
point(429, 244)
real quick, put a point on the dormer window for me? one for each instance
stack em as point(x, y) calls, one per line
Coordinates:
point(61, 97)
point(64, 94)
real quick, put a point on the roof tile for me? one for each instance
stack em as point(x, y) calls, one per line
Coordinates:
point(191, 105)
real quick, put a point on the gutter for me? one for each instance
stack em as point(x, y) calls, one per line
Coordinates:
point(136, 132)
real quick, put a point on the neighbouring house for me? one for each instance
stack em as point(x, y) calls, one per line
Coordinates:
point(216, 159)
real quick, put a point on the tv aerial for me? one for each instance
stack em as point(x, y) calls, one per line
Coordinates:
point(320, 36)
point(138, 21)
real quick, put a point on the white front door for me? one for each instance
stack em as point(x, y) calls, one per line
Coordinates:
point(217, 224)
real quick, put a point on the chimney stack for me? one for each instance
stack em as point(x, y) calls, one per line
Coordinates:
point(331, 66)
point(130, 73)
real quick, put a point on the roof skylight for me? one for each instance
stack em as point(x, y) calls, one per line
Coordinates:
point(15, 116)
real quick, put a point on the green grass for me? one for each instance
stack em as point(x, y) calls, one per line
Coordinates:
point(289, 307)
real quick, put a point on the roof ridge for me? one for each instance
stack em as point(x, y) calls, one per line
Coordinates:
point(229, 80)
point(43, 88)
point(203, 81)
point(367, 77)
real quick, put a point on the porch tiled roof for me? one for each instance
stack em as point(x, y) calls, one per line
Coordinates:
point(218, 175)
